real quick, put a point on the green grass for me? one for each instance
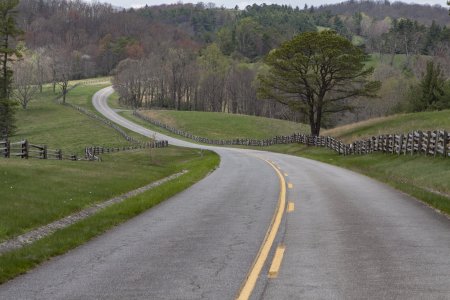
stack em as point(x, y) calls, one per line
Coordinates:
point(36, 192)
point(61, 127)
point(226, 126)
point(82, 96)
point(19, 261)
point(402, 123)
point(322, 28)
point(113, 101)
point(398, 63)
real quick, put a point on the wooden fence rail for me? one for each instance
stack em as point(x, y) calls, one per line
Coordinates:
point(431, 143)
point(93, 152)
point(24, 149)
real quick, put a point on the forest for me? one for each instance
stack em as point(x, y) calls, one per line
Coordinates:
point(207, 58)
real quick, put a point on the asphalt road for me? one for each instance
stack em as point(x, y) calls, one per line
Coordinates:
point(348, 237)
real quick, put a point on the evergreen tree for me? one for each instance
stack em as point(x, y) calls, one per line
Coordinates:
point(8, 31)
point(432, 38)
point(431, 89)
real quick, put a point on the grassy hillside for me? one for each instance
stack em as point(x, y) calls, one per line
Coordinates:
point(401, 123)
point(226, 126)
point(58, 126)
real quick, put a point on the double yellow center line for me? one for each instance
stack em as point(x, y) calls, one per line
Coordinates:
point(250, 282)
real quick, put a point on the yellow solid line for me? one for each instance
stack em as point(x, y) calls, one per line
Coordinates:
point(290, 185)
point(249, 284)
point(276, 262)
point(291, 207)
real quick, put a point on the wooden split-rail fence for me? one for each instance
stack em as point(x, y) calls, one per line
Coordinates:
point(431, 143)
point(92, 153)
point(25, 149)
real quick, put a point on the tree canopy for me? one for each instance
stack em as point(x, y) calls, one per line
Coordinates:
point(315, 73)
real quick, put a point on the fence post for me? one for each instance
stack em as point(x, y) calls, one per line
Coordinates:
point(25, 149)
point(428, 143)
point(420, 146)
point(60, 156)
point(44, 152)
point(7, 149)
point(445, 142)
point(436, 142)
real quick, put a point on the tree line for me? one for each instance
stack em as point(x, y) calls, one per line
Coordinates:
point(208, 58)
point(177, 78)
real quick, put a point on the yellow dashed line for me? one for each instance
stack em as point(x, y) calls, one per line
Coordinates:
point(291, 207)
point(276, 262)
point(290, 186)
point(286, 175)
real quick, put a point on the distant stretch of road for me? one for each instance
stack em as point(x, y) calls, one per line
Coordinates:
point(342, 236)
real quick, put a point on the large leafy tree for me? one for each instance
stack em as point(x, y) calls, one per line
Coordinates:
point(316, 73)
point(8, 31)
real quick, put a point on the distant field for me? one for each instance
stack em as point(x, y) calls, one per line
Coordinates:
point(226, 126)
point(401, 123)
point(398, 62)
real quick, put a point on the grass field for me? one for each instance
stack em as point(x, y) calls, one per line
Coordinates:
point(402, 123)
point(113, 101)
point(226, 126)
point(61, 127)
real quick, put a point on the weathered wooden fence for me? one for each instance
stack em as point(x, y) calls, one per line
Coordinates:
point(431, 143)
point(25, 149)
point(92, 153)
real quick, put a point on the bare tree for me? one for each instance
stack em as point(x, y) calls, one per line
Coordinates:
point(25, 83)
point(62, 70)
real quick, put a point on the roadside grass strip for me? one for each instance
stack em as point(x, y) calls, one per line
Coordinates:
point(48, 229)
point(19, 261)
